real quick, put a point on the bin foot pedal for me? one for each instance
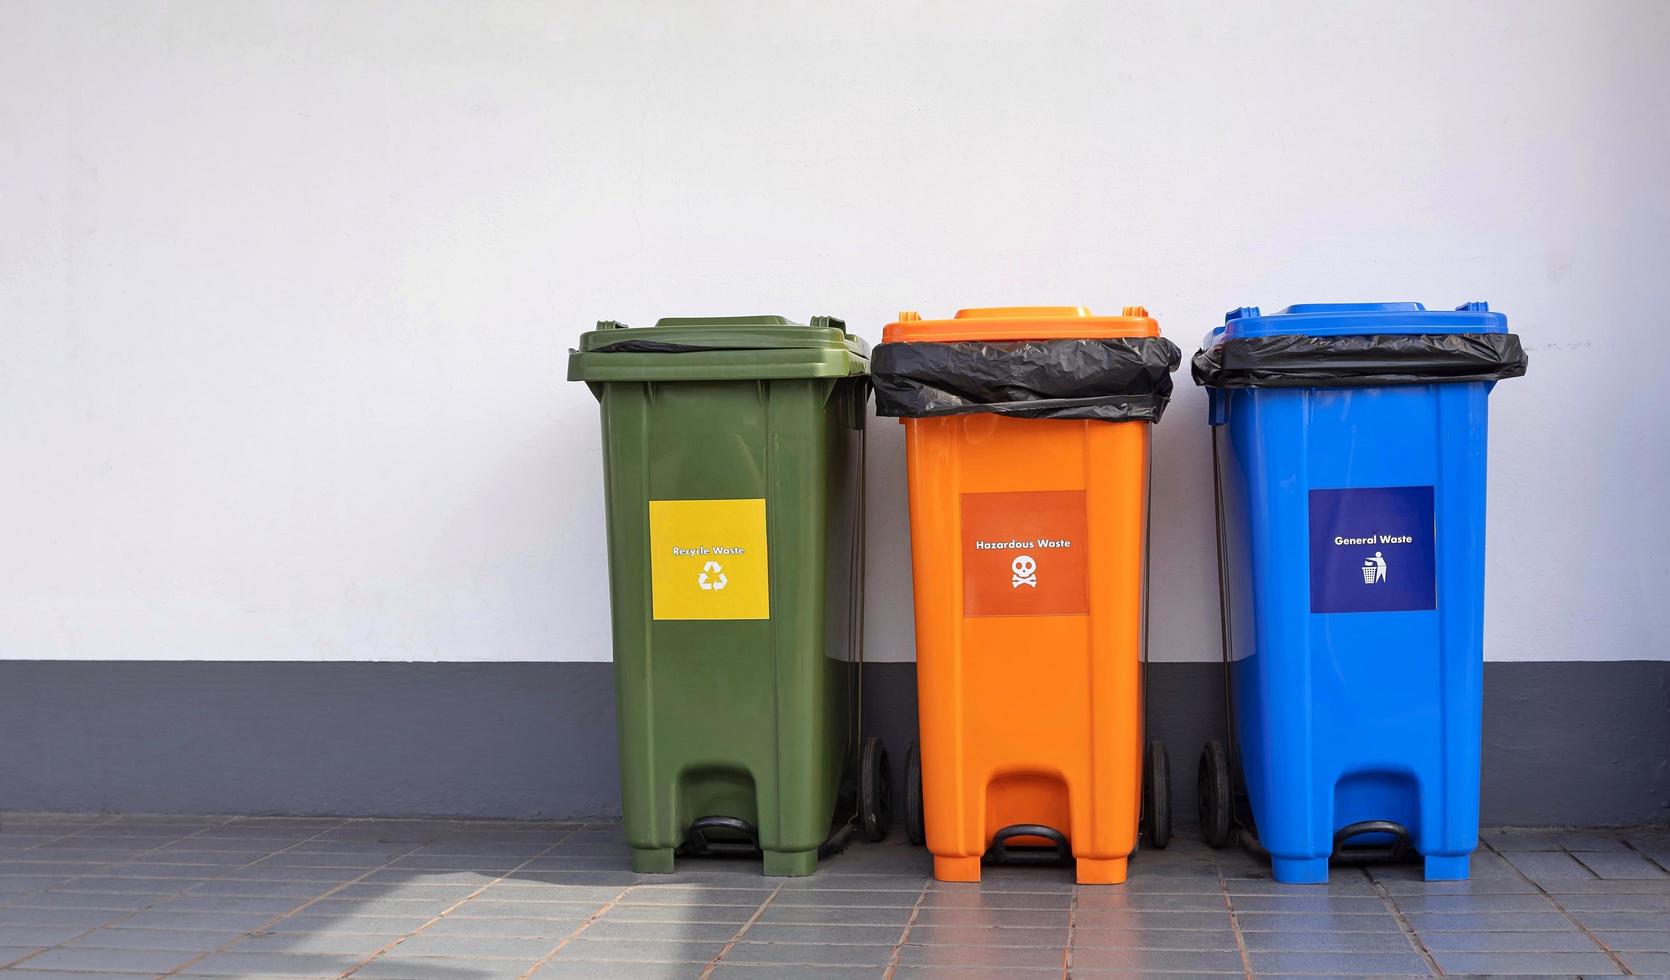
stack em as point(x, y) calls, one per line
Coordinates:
point(1101, 871)
point(838, 840)
point(652, 860)
point(791, 864)
point(957, 868)
point(1300, 871)
point(1444, 867)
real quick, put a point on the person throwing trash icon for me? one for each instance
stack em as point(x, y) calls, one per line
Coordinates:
point(1374, 569)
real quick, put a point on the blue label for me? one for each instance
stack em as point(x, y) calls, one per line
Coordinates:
point(1371, 550)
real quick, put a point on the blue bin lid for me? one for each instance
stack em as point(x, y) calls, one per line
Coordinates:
point(1348, 319)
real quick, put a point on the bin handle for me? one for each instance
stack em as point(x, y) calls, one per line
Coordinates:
point(696, 839)
point(1399, 832)
point(829, 323)
point(1217, 406)
point(998, 854)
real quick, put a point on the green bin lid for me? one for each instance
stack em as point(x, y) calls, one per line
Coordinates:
point(720, 348)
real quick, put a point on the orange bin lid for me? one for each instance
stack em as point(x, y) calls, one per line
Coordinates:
point(1021, 323)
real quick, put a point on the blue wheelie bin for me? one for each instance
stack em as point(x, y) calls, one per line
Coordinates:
point(1349, 448)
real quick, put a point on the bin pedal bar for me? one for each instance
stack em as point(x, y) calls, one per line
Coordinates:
point(1397, 849)
point(696, 842)
point(838, 840)
point(999, 854)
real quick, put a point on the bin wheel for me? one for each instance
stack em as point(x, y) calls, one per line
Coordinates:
point(1156, 796)
point(1216, 820)
point(875, 804)
point(916, 825)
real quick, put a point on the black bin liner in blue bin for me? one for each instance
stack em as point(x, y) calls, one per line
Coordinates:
point(1358, 361)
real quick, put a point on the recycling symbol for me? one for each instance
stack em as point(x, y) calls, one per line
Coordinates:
point(718, 573)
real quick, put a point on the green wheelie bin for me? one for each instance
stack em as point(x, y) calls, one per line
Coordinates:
point(733, 465)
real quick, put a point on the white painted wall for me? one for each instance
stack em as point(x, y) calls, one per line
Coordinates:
point(286, 287)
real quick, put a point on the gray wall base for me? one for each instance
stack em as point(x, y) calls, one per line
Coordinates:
point(1585, 744)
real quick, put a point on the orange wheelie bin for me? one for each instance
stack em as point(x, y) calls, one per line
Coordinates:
point(1027, 436)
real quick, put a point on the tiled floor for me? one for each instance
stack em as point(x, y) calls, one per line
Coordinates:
point(249, 897)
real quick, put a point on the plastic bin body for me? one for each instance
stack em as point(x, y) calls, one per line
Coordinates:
point(1029, 716)
point(1343, 714)
point(748, 711)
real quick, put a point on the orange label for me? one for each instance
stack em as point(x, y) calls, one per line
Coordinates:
point(1024, 554)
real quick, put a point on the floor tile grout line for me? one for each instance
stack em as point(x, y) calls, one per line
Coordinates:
point(458, 904)
point(1613, 956)
point(1235, 926)
point(1404, 924)
point(275, 920)
point(1655, 862)
point(1583, 864)
point(904, 934)
point(105, 866)
point(121, 918)
point(741, 931)
point(1072, 920)
point(105, 822)
point(603, 910)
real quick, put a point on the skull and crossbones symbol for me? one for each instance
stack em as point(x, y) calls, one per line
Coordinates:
point(1025, 571)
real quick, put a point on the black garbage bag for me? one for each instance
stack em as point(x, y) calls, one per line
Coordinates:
point(1298, 361)
point(1115, 379)
point(652, 347)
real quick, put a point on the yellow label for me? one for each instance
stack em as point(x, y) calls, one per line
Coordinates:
point(707, 559)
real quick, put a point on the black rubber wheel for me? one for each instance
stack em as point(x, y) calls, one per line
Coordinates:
point(1212, 784)
point(1156, 796)
point(875, 794)
point(916, 824)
